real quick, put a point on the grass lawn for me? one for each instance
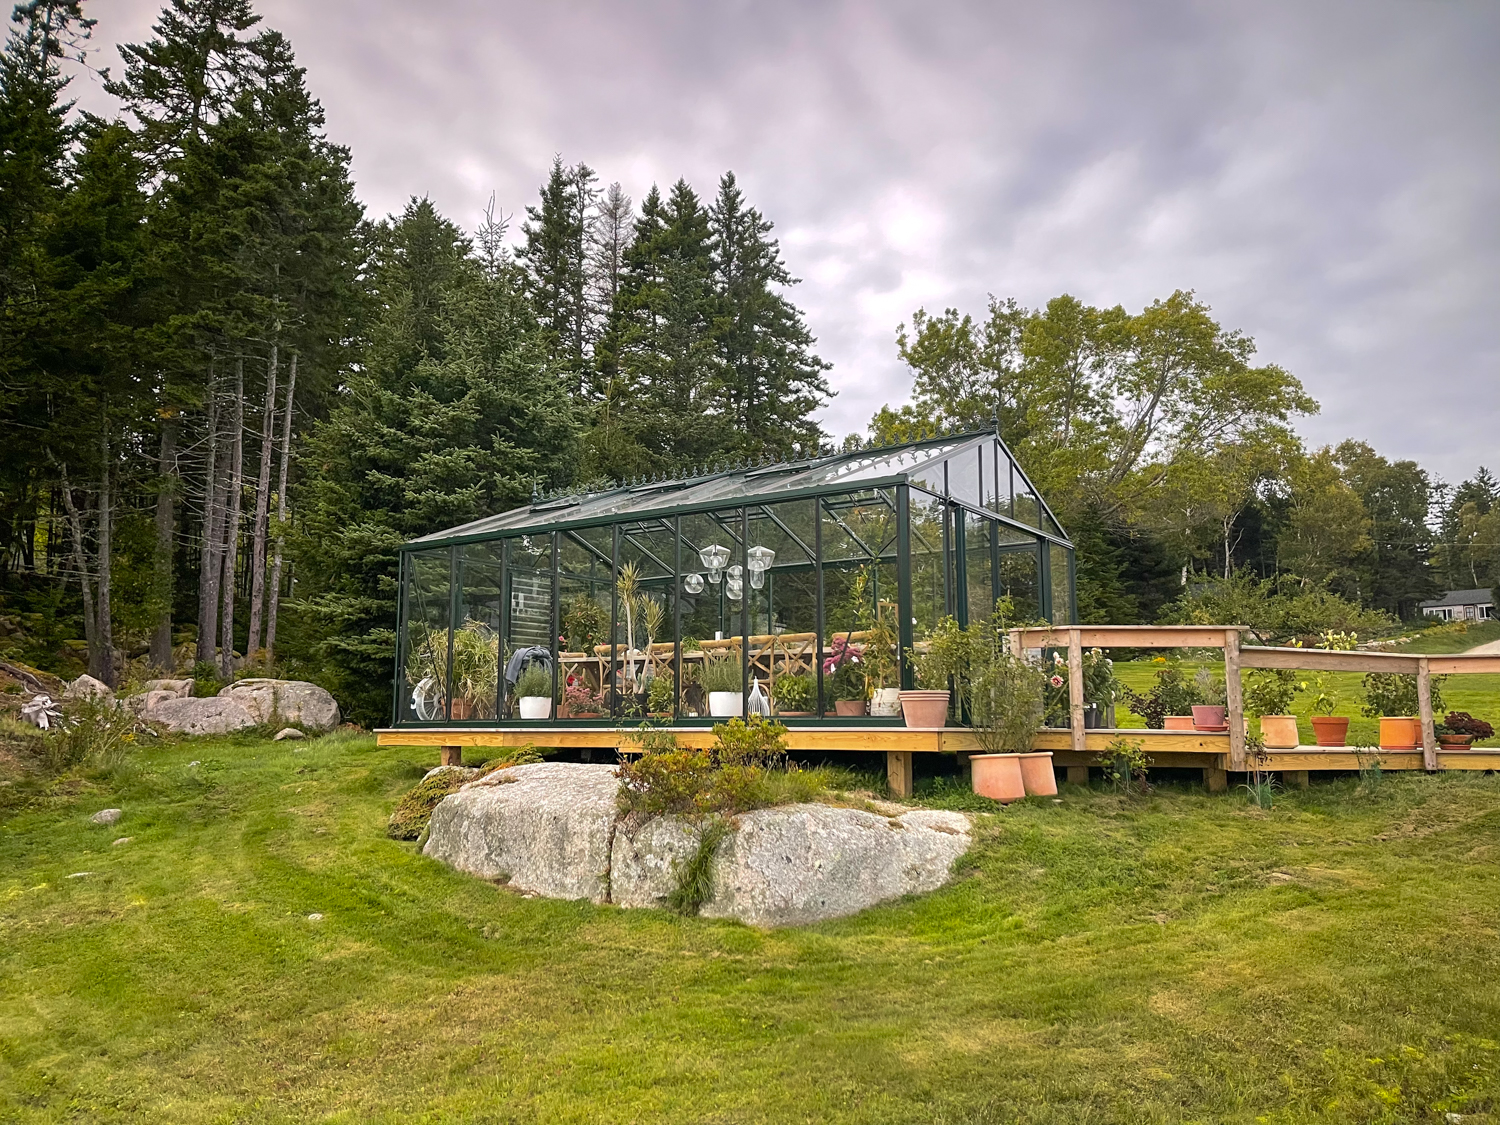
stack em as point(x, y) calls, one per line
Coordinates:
point(1456, 640)
point(1170, 958)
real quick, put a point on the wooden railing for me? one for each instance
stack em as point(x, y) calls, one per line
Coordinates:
point(1238, 657)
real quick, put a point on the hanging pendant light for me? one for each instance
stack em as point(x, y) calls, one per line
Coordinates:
point(714, 557)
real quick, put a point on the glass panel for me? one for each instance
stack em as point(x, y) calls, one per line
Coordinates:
point(990, 459)
point(476, 640)
point(529, 577)
point(1062, 590)
point(1018, 580)
point(585, 581)
point(963, 478)
point(979, 565)
point(424, 696)
point(643, 622)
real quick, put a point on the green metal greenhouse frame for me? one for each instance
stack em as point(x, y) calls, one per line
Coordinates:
point(924, 515)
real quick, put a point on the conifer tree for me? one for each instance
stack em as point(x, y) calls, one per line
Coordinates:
point(556, 254)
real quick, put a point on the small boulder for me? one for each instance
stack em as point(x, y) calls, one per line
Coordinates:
point(201, 716)
point(123, 840)
point(295, 701)
point(287, 732)
point(86, 687)
point(179, 688)
point(106, 816)
point(146, 702)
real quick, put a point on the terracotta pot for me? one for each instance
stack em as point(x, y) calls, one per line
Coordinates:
point(998, 776)
point(1455, 741)
point(924, 708)
point(1178, 722)
point(1208, 717)
point(1400, 733)
point(793, 714)
point(1280, 732)
point(1330, 730)
point(586, 715)
point(849, 708)
point(462, 709)
point(1037, 775)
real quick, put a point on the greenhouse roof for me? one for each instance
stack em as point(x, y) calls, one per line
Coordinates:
point(921, 464)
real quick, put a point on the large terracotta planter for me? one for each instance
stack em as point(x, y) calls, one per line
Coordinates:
point(461, 710)
point(1037, 775)
point(1208, 717)
point(998, 776)
point(849, 708)
point(924, 708)
point(1279, 732)
point(1178, 722)
point(1399, 733)
point(1331, 730)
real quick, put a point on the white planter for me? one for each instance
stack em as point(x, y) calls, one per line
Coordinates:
point(535, 707)
point(726, 704)
point(886, 702)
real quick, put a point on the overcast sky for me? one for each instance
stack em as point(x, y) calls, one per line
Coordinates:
point(1325, 175)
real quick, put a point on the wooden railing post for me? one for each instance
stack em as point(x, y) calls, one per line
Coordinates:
point(1235, 700)
point(1424, 708)
point(1075, 689)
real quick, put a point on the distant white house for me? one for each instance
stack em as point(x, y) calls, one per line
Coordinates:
point(1462, 605)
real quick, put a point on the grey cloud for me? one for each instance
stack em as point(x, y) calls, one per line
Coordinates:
point(1324, 175)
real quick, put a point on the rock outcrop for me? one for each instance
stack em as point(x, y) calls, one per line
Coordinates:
point(217, 715)
point(86, 687)
point(286, 701)
point(554, 829)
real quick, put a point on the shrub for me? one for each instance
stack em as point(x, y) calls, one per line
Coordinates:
point(796, 693)
point(1005, 700)
point(722, 672)
point(1173, 694)
point(1394, 694)
point(946, 660)
point(752, 742)
point(745, 769)
point(1461, 722)
point(413, 812)
point(659, 694)
point(534, 681)
point(1125, 762)
point(93, 733)
point(667, 782)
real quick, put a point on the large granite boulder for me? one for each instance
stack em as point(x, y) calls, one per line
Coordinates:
point(285, 701)
point(86, 687)
point(554, 828)
point(796, 864)
point(218, 715)
point(178, 688)
point(544, 827)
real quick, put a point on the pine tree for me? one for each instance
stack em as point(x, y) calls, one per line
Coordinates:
point(451, 415)
point(556, 254)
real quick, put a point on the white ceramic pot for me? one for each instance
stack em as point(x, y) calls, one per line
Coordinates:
point(886, 702)
point(535, 707)
point(726, 704)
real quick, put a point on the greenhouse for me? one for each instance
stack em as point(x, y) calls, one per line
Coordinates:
point(796, 589)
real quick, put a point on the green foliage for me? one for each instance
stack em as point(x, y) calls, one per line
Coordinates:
point(750, 742)
point(659, 694)
point(94, 734)
point(848, 679)
point(1005, 696)
point(745, 769)
point(1270, 691)
point(693, 878)
point(1275, 611)
point(1125, 762)
point(722, 671)
point(476, 664)
point(585, 623)
point(946, 659)
point(1209, 687)
point(533, 682)
point(668, 783)
point(413, 812)
point(1172, 694)
point(1394, 694)
point(796, 693)
point(1461, 722)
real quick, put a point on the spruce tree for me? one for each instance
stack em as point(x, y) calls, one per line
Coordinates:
point(556, 254)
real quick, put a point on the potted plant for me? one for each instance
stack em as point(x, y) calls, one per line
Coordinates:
point(1099, 691)
point(476, 671)
point(1329, 729)
point(723, 679)
point(1208, 715)
point(1392, 698)
point(582, 701)
point(1005, 703)
point(795, 696)
point(1460, 730)
point(882, 670)
point(844, 675)
point(944, 662)
point(534, 692)
point(1268, 696)
point(659, 696)
point(1168, 705)
point(585, 623)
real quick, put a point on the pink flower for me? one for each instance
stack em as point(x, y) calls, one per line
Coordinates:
point(1057, 681)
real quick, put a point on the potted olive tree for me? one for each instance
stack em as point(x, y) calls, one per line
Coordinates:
point(1005, 704)
point(940, 660)
point(1268, 697)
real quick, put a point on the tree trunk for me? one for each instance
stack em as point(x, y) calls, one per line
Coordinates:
point(286, 457)
point(166, 518)
point(106, 651)
point(81, 564)
point(262, 509)
point(232, 521)
point(208, 563)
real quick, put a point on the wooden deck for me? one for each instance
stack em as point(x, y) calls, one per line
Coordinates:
point(1208, 752)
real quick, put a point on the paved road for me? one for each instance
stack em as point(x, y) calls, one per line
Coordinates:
point(1491, 649)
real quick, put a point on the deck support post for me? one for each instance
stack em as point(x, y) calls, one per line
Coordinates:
point(1234, 698)
point(450, 755)
point(1424, 707)
point(898, 772)
point(1216, 780)
point(1075, 690)
point(1078, 775)
point(1291, 778)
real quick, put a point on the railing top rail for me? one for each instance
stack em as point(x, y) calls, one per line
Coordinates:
point(1325, 660)
point(1130, 636)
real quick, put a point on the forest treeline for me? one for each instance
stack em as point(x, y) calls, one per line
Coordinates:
point(229, 394)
